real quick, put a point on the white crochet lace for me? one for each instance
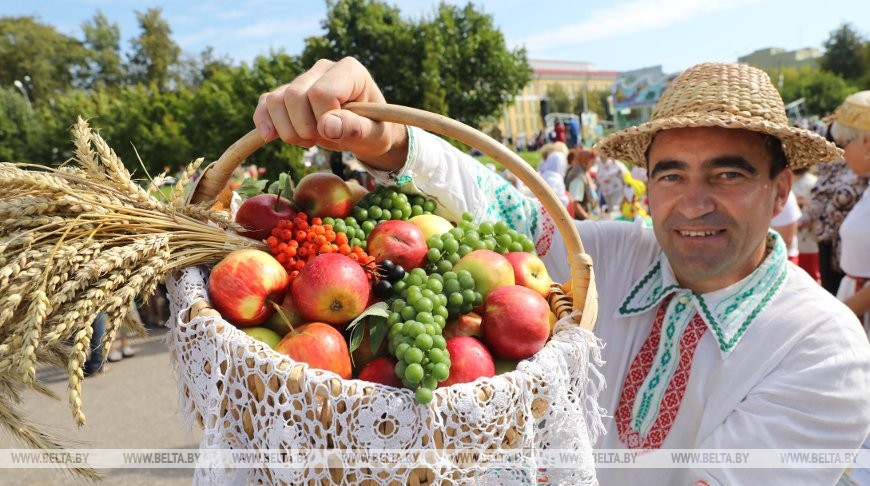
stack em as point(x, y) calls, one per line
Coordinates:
point(236, 389)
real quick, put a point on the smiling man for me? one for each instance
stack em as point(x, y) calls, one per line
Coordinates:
point(713, 340)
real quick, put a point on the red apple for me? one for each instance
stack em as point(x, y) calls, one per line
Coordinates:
point(489, 269)
point(530, 271)
point(319, 345)
point(260, 213)
point(242, 284)
point(399, 241)
point(516, 322)
point(381, 370)
point(331, 288)
point(464, 325)
point(323, 194)
point(469, 360)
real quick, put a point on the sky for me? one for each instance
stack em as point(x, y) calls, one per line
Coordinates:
point(613, 35)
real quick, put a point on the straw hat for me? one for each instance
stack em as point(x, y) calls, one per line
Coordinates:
point(855, 112)
point(722, 95)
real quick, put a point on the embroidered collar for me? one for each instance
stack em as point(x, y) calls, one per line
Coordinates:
point(728, 312)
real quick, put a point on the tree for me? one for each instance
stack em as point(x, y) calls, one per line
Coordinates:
point(844, 53)
point(41, 59)
point(154, 53)
point(822, 91)
point(102, 40)
point(560, 100)
point(479, 74)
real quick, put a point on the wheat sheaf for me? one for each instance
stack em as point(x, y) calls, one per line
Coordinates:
point(81, 239)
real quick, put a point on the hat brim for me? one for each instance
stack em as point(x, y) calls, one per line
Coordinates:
point(802, 148)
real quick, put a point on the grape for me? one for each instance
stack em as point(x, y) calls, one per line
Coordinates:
point(423, 342)
point(429, 382)
point(440, 371)
point(423, 395)
point(413, 356)
point(382, 289)
point(414, 372)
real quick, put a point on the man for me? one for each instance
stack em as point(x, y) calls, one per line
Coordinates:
point(712, 339)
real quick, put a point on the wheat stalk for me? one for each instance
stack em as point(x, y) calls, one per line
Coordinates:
point(82, 239)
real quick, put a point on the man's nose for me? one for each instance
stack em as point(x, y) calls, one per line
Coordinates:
point(696, 200)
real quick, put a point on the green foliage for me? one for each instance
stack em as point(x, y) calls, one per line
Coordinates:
point(844, 53)
point(822, 91)
point(560, 102)
point(31, 49)
point(479, 74)
point(154, 53)
point(103, 42)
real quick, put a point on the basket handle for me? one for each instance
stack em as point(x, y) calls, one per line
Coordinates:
point(217, 174)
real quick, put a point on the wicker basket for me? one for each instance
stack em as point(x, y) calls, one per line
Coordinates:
point(247, 396)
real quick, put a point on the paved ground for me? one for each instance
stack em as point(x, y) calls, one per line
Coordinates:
point(132, 406)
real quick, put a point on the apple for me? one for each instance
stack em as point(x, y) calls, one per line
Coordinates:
point(431, 224)
point(357, 191)
point(530, 271)
point(323, 194)
point(260, 213)
point(464, 325)
point(264, 335)
point(489, 269)
point(399, 241)
point(288, 317)
point(319, 345)
point(516, 322)
point(381, 370)
point(469, 360)
point(244, 283)
point(331, 288)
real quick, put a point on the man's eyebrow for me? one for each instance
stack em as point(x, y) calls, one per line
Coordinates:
point(731, 161)
point(666, 165)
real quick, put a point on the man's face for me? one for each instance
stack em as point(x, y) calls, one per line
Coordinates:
point(711, 199)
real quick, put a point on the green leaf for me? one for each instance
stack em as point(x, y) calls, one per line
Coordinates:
point(377, 331)
point(251, 188)
point(380, 309)
point(356, 337)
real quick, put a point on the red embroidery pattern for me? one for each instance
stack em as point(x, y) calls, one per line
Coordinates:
point(673, 397)
point(542, 246)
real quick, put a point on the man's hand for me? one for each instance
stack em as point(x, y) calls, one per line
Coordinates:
point(307, 112)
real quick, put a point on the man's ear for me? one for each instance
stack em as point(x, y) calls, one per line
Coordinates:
point(782, 184)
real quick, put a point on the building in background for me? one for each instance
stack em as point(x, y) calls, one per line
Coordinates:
point(772, 58)
point(524, 118)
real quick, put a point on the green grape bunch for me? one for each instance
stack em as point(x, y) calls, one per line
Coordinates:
point(447, 248)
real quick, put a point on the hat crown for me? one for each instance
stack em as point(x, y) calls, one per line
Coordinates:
point(722, 89)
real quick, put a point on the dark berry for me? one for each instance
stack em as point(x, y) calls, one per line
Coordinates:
point(396, 274)
point(382, 289)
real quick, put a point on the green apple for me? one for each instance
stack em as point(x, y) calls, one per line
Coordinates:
point(263, 334)
point(431, 224)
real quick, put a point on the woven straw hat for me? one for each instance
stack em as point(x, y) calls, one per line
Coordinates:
point(721, 95)
point(855, 112)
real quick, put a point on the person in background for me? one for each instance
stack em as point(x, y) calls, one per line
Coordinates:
point(808, 247)
point(786, 224)
point(581, 188)
point(851, 130)
point(611, 185)
point(713, 341)
point(836, 192)
point(559, 131)
point(95, 364)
